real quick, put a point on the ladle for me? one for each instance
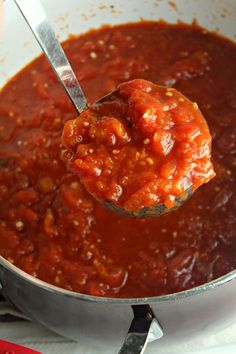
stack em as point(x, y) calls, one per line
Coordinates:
point(39, 24)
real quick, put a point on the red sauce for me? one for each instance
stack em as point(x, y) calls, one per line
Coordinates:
point(141, 146)
point(53, 229)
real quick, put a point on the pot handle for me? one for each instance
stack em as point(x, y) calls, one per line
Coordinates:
point(144, 329)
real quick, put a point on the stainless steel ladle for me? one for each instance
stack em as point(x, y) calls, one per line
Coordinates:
point(39, 24)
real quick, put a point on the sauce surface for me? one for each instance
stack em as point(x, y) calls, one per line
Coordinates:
point(140, 146)
point(49, 225)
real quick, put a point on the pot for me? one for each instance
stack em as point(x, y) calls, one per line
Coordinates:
point(178, 316)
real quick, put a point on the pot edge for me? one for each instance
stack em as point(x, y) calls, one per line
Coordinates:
point(129, 301)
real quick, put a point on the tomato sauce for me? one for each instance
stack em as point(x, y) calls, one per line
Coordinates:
point(53, 229)
point(140, 146)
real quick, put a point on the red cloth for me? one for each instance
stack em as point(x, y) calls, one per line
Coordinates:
point(11, 348)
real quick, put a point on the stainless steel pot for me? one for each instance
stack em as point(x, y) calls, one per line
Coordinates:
point(207, 308)
point(180, 316)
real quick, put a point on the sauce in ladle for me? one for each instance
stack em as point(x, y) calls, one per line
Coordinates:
point(141, 150)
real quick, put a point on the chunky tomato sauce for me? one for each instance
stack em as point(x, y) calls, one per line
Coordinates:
point(53, 229)
point(140, 146)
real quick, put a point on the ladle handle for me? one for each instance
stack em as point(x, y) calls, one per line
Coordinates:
point(143, 330)
point(37, 20)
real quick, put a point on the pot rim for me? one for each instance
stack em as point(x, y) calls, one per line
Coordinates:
point(129, 301)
